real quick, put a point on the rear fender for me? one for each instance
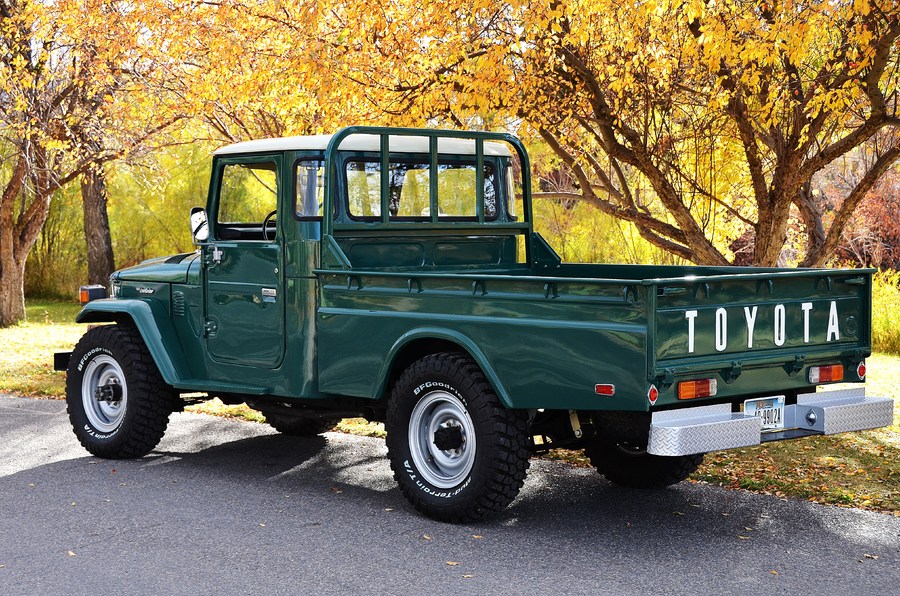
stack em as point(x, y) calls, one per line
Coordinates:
point(460, 340)
point(152, 321)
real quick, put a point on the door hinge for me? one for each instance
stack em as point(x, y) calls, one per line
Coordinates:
point(210, 327)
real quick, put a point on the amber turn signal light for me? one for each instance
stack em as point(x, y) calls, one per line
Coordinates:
point(698, 388)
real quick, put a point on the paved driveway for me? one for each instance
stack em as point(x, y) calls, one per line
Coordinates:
point(226, 507)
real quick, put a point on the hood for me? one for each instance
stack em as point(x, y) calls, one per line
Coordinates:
point(172, 269)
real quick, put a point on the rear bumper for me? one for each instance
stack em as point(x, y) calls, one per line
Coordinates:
point(713, 428)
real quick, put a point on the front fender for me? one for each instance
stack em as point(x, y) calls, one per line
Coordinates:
point(450, 335)
point(152, 321)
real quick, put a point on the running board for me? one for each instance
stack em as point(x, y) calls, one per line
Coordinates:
point(713, 428)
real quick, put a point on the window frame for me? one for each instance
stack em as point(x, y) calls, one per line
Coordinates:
point(216, 192)
point(415, 158)
point(295, 163)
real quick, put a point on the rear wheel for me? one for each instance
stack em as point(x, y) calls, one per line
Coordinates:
point(620, 454)
point(117, 401)
point(456, 452)
point(629, 465)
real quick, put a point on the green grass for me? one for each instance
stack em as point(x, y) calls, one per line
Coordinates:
point(886, 312)
point(26, 364)
point(857, 469)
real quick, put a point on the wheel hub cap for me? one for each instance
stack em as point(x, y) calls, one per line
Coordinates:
point(448, 438)
point(110, 393)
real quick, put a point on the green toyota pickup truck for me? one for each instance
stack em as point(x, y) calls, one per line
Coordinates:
point(395, 274)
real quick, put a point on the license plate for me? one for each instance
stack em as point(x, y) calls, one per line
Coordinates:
point(769, 409)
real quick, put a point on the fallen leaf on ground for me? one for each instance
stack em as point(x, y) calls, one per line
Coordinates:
point(476, 537)
point(468, 576)
point(453, 563)
point(873, 557)
point(388, 509)
point(71, 554)
point(336, 490)
point(427, 537)
point(744, 537)
point(773, 572)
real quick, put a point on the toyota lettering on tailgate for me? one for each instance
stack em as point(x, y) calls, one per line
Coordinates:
point(766, 325)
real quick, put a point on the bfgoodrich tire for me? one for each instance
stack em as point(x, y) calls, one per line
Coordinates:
point(456, 452)
point(117, 401)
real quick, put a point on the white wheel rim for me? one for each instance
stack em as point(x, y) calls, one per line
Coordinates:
point(104, 416)
point(441, 468)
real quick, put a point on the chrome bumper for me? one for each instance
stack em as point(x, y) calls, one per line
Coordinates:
point(713, 428)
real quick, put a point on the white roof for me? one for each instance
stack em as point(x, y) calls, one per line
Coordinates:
point(363, 142)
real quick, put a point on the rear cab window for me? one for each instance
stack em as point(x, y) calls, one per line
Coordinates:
point(409, 181)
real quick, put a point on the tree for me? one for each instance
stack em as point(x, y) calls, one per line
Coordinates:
point(69, 73)
point(721, 113)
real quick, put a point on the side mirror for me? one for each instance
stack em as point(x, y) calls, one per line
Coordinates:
point(199, 225)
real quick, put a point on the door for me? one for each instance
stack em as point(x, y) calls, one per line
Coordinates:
point(244, 297)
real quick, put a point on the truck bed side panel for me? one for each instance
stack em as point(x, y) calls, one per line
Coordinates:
point(601, 341)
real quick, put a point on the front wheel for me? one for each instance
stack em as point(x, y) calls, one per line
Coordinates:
point(117, 401)
point(456, 452)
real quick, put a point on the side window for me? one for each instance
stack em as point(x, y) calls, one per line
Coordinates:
point(409, 185)
point(248, 194)
point(309, 179)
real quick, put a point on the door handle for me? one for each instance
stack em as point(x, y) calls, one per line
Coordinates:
point(215, 255)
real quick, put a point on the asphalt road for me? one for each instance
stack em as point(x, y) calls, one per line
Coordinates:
point(227, 507)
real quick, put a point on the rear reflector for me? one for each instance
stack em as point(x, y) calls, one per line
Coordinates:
point(699, 388)
point(826, 374)
point(861, 371)
point(606, 390)
point(653, 394)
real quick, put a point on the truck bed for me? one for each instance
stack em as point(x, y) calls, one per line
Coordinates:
point(580, 326)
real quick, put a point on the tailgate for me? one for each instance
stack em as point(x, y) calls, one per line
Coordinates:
point(785, 317)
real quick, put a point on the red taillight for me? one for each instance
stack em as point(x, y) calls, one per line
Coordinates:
point(698, 388)
point(826, 374)
point(861, 371)
point(653, 394)
point(606, 390)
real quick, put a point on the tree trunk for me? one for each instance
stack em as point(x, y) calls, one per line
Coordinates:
point(12, 293)
point(12, 263)
point(101, 263)
point(771, 230)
